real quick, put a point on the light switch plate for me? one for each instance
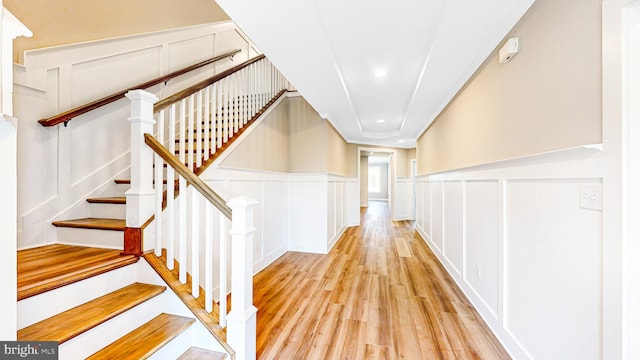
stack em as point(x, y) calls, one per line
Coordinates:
point(591, 196)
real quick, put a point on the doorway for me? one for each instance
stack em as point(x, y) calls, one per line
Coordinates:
point(376, 176)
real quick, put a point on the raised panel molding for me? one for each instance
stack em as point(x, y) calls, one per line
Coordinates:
point(453, 220)
point(482, 241)
point(437, 216)
point(552, 270)
point(531, 257)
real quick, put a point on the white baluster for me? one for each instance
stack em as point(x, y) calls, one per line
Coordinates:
point(223, 113)
point(159, 163)
point(229, 83)
point(219, 114)
point(200, 135)
point(182, 135)
point(208, 256)
point(192, 132)
point(195, 242)
point(170, 235)
point(207, 122)
point(245, 94)
point(182, 229)
point(236, 108)
point(223, 270)
point(212, 118)
point(254, 101)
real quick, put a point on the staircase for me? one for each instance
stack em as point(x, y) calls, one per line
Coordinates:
point(100, 302)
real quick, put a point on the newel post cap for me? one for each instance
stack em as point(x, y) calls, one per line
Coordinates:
point(141, 95)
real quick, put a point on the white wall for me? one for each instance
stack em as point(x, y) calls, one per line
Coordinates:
point(59, 167)
point(8, 211)
point(514, 237)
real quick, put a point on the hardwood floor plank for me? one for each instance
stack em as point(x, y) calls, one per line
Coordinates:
point(379, 294)
point(402, 248)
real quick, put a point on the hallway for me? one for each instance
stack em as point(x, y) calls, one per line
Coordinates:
point(379, 294)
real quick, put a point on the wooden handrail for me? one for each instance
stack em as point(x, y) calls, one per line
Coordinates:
point(192, 178)
point(164, 103)
point(68, 115)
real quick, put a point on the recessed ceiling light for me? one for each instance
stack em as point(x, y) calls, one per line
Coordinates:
point(380, 121)
point(401, 141)
point(380, 74)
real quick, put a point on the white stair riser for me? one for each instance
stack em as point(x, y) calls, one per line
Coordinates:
point(45, 305)
point(108, 211)
point(108, 239)
point(121, 189)
point(176, 347)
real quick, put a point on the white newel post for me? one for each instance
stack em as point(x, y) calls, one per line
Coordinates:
point(241, 322)
point(140, 198)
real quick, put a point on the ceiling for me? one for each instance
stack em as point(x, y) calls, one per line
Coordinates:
point(379, 71)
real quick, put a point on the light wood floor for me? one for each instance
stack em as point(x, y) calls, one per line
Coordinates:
point(379, 294)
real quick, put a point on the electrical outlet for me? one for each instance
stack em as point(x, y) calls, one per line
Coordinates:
point(591, 196)
point(478, 271)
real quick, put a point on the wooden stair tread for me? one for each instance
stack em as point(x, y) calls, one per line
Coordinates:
point(147, 339)
point(75, 321)
point(196, 353)
point(49, 267)
point(108, 200)
point(93, 223)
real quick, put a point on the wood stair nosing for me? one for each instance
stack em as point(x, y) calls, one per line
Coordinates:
point(73, 322)
point(93, 223)
point(108, 200)
point(142, 342)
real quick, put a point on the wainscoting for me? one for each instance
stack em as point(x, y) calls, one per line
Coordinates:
point(296, 212)
point(518, 243)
